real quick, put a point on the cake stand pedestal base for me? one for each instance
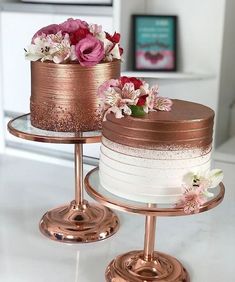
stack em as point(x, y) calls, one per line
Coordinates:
point(132, 267)
point(83, 223)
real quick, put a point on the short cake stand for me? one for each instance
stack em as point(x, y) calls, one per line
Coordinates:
point(79, 221)
point(144, 265)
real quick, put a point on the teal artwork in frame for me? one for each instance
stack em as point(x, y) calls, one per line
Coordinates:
point(155, 43)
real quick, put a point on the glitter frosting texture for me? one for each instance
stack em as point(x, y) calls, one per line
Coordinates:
point(64, 96)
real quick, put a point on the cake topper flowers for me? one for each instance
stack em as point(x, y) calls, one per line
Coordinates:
point(195, 189)
point(74, 41)
point(130, 96)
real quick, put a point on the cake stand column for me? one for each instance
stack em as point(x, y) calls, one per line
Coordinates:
point(80, 221)
point(149, 240)
point(78, 152)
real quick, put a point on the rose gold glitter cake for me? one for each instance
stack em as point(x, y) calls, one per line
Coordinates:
point(64, 96)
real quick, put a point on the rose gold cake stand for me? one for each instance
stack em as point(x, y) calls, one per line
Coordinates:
point(144, 265)
point(80, 221)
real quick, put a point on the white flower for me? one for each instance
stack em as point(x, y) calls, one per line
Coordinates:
point(205, 179)
point(53, 47)
point(38, 50)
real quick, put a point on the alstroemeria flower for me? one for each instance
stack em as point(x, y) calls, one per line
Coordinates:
point(39, 50)
point(206, 180)
point(195, 189)
point(192, 200)
point(129, 91)
point(52, 47)
point(132, 96)
point(63, 51)
point(89, 51)
point(114, 102)
point(112, 83)
point(96, 30)
point(162, 104)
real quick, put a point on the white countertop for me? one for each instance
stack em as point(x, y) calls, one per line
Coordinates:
point(205, 243)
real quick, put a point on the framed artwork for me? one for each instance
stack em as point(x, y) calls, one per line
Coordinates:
point(155, 43)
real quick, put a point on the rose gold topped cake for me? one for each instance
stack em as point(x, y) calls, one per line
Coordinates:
point(69, 61)
point(155, 150)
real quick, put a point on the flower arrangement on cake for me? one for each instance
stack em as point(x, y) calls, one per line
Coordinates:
point(69, 61)
point(195, 189)
point(131, 96)
point(74, 41)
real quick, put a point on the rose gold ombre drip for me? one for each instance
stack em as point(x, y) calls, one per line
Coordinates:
point(187, 125)
point(64, 96)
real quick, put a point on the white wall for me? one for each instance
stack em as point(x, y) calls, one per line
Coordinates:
point(227, 79)
point(1, 103)
point(200, 35)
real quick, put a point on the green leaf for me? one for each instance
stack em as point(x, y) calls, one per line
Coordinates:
point(137, 111)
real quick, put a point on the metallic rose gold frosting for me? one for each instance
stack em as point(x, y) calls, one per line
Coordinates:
point(186, 125)
point(64, 96)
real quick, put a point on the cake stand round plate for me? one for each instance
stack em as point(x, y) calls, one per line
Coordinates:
point(100, 194)
point(21, 127)
point(146, 265)
point(79, 221)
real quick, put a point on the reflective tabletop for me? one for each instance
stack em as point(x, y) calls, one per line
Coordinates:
point(21, 127)
point(28, 188)
point(100, 194)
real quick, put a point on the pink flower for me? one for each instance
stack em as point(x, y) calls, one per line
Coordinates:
point(72, 25)
point(50, 29)
point(89, 51)
point(163, 104)
point(106, 85)
point(192, 199)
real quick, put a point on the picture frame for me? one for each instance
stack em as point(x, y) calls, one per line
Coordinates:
point(155, 43)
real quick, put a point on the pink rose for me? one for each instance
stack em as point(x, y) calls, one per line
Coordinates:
point(72, 25)
point(89, 51)
point(50, 29)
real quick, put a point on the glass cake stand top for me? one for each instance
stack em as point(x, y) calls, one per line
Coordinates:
point(21, 127)
point(99, 193)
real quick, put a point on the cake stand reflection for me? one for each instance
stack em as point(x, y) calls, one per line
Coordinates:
point(144, 265)
point(80, 221)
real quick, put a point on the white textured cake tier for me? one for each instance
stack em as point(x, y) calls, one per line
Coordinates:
point(150, 180)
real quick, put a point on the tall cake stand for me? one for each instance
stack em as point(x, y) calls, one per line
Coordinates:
point(79, 221)
point(144, 265)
